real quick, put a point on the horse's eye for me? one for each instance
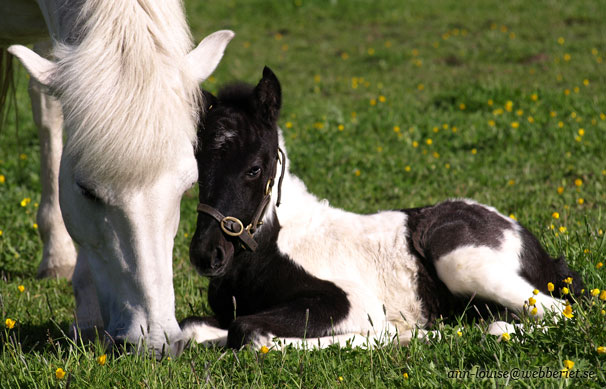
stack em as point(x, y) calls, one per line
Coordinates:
point(254, 171)
point(88, 193)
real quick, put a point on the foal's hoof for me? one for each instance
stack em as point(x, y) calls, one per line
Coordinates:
point(56, 272)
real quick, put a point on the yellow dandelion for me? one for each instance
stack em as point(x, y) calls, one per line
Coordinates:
point(420, 87)
point(407, 168)
point(264, 350)
point(532, 301)
point(568, 312)
point(535, 292)
point(462, 106)
point(581, 131)
point(520, 112)
point(603, 295)
point(490, 102)
point(35, 226)
point(509, 106)
point(581, 201)
point(601, 350)
point(373, 102)
point(534, 311)
point(511, 182)
point(10, 323)
point(21, 288)
point(561, 40)
point(505, 336)
point(595, 292)
point(23, 157)
point(288, 125)
point(511, 215)
point(344, 55)
point(586, 82)
point(497, 112)
point(445, 126)
point(576, 89)
point(246, 44)
point(459, 333)
point(491, 123)
point(340, 127)
point(530, 119)
point(405, 375)
point(565, 290)
point(357, 172)
point(379, 149)
point(565, 373)
point(382, 99)
point(568, 280)
point(396, 129)
point(562, 229)
point(560, 189)
point(59, 373)
point(555, 215)
point(436, 155)
point(553, 114)
point(101, 359)
point(534, 97)
point(567, 57)
point(429, 141)
point(599, 265)
point(474, 151)
point(285, 47)
point(1, 232)
point(371, 51)
point(568, 364)
point(388, 44)
point(578, 182)
point(566, 92)
point(550, 286)
point(515, 124)
point(415, 144)
point(2, 179)
point(25, 202)
point(340, 379)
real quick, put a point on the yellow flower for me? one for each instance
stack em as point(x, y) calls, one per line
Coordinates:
point(2, 179)
point(603, 295)
point(429, 141)
point(567, 57)
point(373, 102)
point(505, 336)
point(459, 333)
point(357, 172)
point(520, 112)
point(530, 119)
point(599, 265)
point(581, 201)
point(340, 127)
point(568, 280)
point(462, 106)
point(555, 215)
point(535, 292)
point(511, 215)
point(101, 360)
point(21, 288)
point(601, 350)
point(560, 189)
point(568, 364)
point(568, 312)
point(595, 292)
point(490, 102)
point(578, 182)
point(396, 129)
point(420, 87)
point(550, 287)
point(415, 144)
point(565, 290)
point(10, 323)
point(23, 157)
point(407, 168)
point(59, 373)
point(515, 124)
point(534, 311)
point(288, 124)
point(405, 375)
point(562, 229)
point(532, 301)
point(25, 201)
point(581, 131)
point(561, 40)
point(534, 97)
point(491, 123)
point(565, 373)
point(264, 349)
point(382, 99)
point(511, 182)
point(35, 225)
point(474, 151)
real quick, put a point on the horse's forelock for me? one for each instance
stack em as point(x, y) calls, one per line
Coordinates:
point(127, 93)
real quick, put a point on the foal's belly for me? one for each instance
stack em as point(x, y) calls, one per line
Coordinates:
point(367, 257)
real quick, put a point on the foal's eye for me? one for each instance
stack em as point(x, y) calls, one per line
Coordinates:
point(254, 171)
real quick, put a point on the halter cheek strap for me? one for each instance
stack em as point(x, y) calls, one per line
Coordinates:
point(233, 226)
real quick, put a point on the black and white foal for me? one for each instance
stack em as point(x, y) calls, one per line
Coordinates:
point(307, 270)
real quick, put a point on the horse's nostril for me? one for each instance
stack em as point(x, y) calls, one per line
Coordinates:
point(218, 257)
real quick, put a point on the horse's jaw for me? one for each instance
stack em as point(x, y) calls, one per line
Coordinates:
point(125, 258)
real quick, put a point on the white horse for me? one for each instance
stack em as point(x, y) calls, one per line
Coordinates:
point(122, 80)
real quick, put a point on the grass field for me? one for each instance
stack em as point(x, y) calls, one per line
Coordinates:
point(387, 104)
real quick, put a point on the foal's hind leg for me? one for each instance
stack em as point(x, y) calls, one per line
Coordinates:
point(59, 254)
point(493, 274)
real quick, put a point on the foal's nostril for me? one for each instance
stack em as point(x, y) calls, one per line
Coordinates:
point(218, 257)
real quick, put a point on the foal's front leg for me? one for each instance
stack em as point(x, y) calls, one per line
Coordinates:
point(306, 317)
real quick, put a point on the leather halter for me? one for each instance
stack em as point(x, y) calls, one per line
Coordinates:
point(233, 227)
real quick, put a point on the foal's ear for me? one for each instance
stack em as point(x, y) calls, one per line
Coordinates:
point(269, 95)
point(209, 101)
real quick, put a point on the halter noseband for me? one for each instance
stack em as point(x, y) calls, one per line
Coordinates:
point(232, 226)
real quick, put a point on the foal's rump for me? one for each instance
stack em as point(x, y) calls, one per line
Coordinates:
point(467, 249)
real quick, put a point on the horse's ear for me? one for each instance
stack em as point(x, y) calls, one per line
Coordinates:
point(204, 59)
point(40, 69)
point(269, 95)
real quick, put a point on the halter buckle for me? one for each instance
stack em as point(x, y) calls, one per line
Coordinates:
point(234, 220)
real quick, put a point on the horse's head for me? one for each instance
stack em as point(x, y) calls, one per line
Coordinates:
point(237, 164)
point(130, 112)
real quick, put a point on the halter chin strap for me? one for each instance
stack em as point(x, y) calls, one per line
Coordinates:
point(232, 226)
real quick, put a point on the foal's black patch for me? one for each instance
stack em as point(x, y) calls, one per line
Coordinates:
point(436, 230)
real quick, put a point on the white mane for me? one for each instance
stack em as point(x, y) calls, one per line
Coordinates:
point(127, 95)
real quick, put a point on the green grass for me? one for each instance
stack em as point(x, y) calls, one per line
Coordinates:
point(334, 58)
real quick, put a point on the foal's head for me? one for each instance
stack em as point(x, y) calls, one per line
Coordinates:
point(237, 163)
